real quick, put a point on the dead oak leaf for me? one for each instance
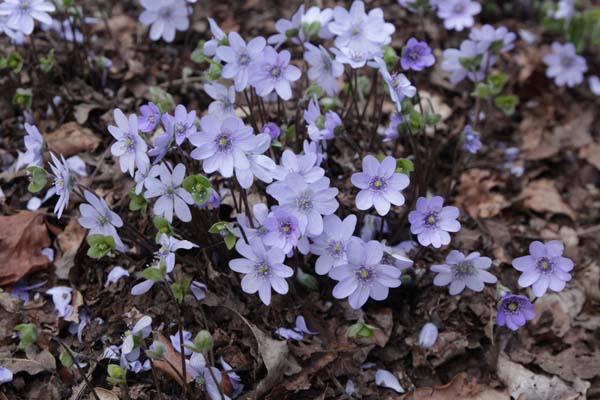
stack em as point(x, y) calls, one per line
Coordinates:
point(460, 387)
point(543, 196)
point(71, 139)
point(69, 242)
point(591, 154)
point(476, 195)
point(35, 362)
point(22, 238)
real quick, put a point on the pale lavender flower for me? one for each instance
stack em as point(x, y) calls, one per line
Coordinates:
point(288, 29)
point(514, 311)
point(315, 148)
point(454, 61)
point(431, 221)
point(34, 143)
point(355, 58)
point(330, 245)
point(304, 165)
point(130, 147)
point(183, 123)
point(391, 132)
point(564, 65)
point(61, 297)
point(198, 290)
point(21, 13)
point(399, 85)
point(357, 30)
point(308, 202)
point(6, 375)
point(471, 143)
point(208, 380)
point(364, 276)
point(388, 380)
point(263, 269)
point(458, 14)
point(565, 9)
point(460, 272)
point(99, 219)
point(163, 142)
point(273, 72)
point(142, 287)
point(222, 145)
point(594, 82)
point(171, 196)
point(396, 257)
point(165, 17)
point(416, 55)
point(428, 335)
point(115, 274)
point(324, 70)
point(372, 225)
point(261, 166)
point(21, 289)
point(176, 343)
point(142, 174)
point(380, 185)
point(16, 36)
point(150, 117)
point(332, 121)
point(260, 213)
point(297, 332)
point(224, 99)
point(272, 129)
point(316, 122)
point(314, 15)
point(238, 57)
point(219, 37)
point(61, 183)
point(168, 246)
point(283, 230)
point(494, 40)
point(544, 268)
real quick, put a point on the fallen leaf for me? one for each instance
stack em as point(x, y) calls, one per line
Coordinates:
point(555, 312)
point(523, 382)
point(591, 154)
point(69, 242)
point(71, 139)
point(82, 112)
point(589, 276)
point(543, 196)
point(22, 238)
point(570, 364)
point(173, 357)
point(104, 394)
point(76, 303)
point(460, 387)
point(35, 362)
point(476, 194)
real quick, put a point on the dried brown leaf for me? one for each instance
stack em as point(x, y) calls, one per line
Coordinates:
point(461, 387)
point(69, 242)
point(35, 362)
point(22, 237)
point(543, 196)
point(476, 194)
point(71, 139)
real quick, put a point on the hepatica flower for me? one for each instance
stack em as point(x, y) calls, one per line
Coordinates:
point(330, 245)
point(172, 197)
point(222, 144)
point(165, 17)
point(283, 230)
point(273, 72)
point(454, 61)
point(431, 221)
point(261, 166)
point(238, 57)
point(219, 37)
point(168, 246)
point(307, 202)
point(471, 143)
point(99, 219)
point(564, 65)
point(130, 147)
point(513, 311)
point(494, 39)
point(288, 29)
point(182, 123)
point(544, 267)
point(304, 165)
point(391, 132)
point(61, 183)
point(416, 56)
point(460, 272)
point(399, 85)
point(458, 14)
point(272, 129)
point(364, 276)
point(380, 185)
point(263, 268)
point(34, 143)
point(316, 122)
point(224, 99)
point(148, 121)
point(21, 13)
point(260, 213)
point(324, 70)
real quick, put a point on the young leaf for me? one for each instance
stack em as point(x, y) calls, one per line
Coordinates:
point(39, 177)
point(100, 245)
point(28, 334)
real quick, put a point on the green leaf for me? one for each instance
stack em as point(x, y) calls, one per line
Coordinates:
point(66, 359)
point(407, 106)
point(116, 374)
point(15, 62)
point(203, 341)
point(330, 103)
point(159, 351)
point(180, 289)
point(483, 91)
point(47, 63)
point(198, 54)
point(496, 82)
point(28, 334)
point(360, 330)
point(311, 30)
point(3, 63)
point(100, 245)
point(153, 274)
point(23, 98)
point(137, 202)
point(230, 240)
point(163, 226)
point(404, 166)
point(507, 104)
point(390, 57)
point(314, 91)
point(199, 187)
point(218, 227)
point(430, 119)
point(415, 121)
point(39, 177)
point(163, 100)
point(471, 64)
point(307, 280)
point(214, 72)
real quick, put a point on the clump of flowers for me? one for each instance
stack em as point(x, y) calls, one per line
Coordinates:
point(433, 222)
point(565, 67)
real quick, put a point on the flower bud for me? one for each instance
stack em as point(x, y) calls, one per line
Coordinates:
point(203, 341)
point(272, 129)
point(428, 335)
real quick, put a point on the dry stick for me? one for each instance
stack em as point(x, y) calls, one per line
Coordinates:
point(83, 375)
